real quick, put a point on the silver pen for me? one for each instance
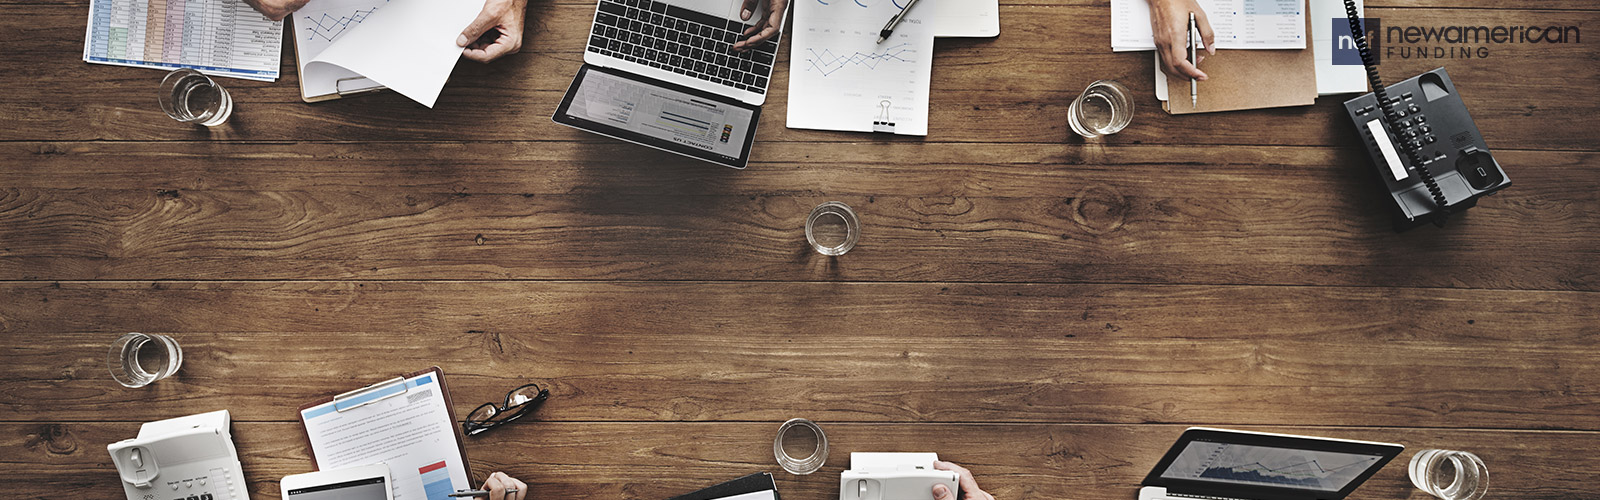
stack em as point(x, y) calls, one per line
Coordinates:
point(478, 493)
point(1194, 58)
point(888, 29)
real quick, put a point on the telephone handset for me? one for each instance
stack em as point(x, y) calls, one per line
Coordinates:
point(1424, 144)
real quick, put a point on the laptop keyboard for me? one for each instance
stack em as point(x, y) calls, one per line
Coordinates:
point(682, 41)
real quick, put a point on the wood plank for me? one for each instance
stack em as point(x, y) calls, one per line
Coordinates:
point(645, 461)
point(929, 213)
point(832, 351)
point(1015, 88)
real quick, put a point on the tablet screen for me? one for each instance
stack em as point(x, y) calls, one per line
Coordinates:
point(360, 489)
point(1269, 466)
point(678, 119)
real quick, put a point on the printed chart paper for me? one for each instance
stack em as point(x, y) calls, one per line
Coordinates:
point(840, 78)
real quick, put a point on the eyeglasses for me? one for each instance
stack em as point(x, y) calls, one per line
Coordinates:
point(519, 402)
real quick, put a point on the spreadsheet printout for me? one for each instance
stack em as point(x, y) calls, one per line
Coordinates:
point(216, 37)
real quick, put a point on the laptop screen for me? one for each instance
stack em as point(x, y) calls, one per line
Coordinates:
point(1269, 466)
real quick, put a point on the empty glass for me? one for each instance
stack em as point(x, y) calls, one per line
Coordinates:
point(1102, 109)
point(832, 228)
point(139, 359)
point(801, 437)
point(1450, 475)
point(191, 97)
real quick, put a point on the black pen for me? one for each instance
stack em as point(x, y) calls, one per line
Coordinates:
point(888, 29)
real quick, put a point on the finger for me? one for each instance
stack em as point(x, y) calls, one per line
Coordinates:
point(942, 492)
point(488, 53)
point(497, 488)
point(1178, 65)
point(486, 19)
point(767, 32)
point(778, 8)
point(750, 36)
point(1206, 34)
point(522, 489)
point(963, 478)
point(749, 10)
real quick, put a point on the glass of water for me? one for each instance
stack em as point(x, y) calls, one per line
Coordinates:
point(139, 359)
point(1450, 475)
point(1102, 109)
point(191, 97)
point(801, 447)
point(832, 228)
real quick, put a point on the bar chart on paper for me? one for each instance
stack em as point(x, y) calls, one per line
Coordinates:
point(436, 481)
point(840, 78)
point(217, 37)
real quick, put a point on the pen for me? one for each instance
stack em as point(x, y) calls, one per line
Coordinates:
point(479, 493)
point(895, 21)
point(1194, 85)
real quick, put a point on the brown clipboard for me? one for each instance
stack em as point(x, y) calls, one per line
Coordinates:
point(1250, 79)
point(450, 409)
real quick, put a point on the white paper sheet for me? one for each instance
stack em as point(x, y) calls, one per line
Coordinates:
point(408, 46)
point(840, 78)
point(412, 432)
point(962, 18)
point(316, 27)
point(1334, 79)
point(1238, 24)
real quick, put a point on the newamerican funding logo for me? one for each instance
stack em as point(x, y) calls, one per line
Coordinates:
point(1439, 42)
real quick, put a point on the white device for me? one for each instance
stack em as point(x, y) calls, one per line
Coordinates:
point(184, 458)
point(1227, 465)
point(893, 476)
point(366, 482)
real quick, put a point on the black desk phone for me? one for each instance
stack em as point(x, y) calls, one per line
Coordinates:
point(1422, 141)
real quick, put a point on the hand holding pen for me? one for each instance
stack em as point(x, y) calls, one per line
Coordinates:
point(1169, 22)
point(499, 486)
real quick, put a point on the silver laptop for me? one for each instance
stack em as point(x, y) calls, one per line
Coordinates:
point(1218, 463)
point(665, 75)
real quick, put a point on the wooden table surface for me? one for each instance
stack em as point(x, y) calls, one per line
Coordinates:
point(1050, 312)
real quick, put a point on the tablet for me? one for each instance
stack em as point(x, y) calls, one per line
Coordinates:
point(367, 482)
point(690, 122)
point(1266, 466)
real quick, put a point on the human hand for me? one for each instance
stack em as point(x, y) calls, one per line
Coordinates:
point(1169, 21)
point(276, 10)
point(969, 486)
point(496, 32)
point(499, 482)
point(765, 29)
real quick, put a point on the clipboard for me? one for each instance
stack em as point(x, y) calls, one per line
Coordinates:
point(1249, 79)
point(339, 92)
point(359, 398)
point(754, 483)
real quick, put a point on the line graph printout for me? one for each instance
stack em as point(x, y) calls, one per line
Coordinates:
point(1269, 466)
point(316, 27)
point(840, 78)
point(215, 37)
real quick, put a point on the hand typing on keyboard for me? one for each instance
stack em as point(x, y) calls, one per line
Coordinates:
point(501, 21)
point(764, 29)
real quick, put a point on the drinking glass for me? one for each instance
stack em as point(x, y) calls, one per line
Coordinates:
point(1450, 475)
point(804, 438)
point(139, 359)
point(832, 228)
point(189, 96)
point(1102, 109)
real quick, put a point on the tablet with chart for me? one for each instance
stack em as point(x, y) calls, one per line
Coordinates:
point(840, 78)
point(1269, 466)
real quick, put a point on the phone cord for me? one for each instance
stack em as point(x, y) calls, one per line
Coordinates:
point(1360, 35)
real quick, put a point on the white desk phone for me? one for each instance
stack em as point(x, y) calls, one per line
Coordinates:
point(184, 458)
point(893, 476)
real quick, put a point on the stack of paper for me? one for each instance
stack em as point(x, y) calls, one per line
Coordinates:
point(1238, 24)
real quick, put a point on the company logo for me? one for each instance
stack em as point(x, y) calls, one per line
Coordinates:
point(1344, 43)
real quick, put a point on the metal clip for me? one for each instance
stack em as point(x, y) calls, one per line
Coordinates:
point(346, 397)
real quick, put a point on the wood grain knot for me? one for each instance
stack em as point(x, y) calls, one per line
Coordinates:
point(55, 439)
point(1099, 209)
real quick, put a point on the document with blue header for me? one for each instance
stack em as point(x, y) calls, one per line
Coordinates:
point(405, 423)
